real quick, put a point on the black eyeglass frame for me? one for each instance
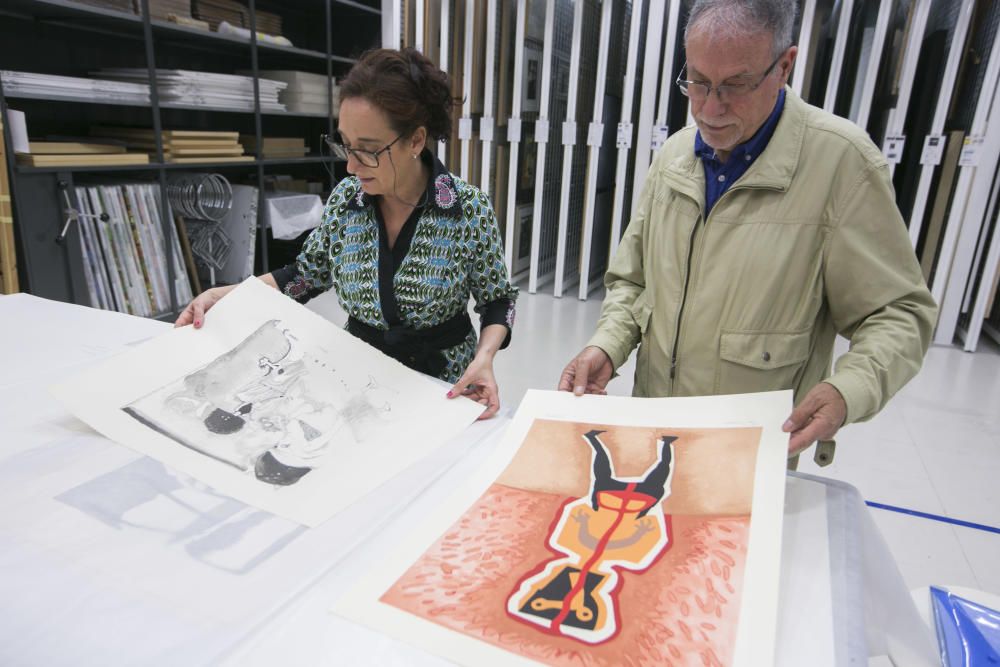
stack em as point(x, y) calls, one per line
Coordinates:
point(683, 84)
point(341, 151)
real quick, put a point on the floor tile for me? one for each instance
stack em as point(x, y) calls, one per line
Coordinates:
point(926, 552)
point(982, 551)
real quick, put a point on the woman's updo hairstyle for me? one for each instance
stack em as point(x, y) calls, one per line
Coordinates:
point(409, 89)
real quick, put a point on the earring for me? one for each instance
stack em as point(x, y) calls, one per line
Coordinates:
point(414, 156)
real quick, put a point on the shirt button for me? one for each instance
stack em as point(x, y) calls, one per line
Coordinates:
point(766, 356)
point(747, 158)
point(722, 177)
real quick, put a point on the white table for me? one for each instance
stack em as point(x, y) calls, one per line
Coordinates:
point(107, 557)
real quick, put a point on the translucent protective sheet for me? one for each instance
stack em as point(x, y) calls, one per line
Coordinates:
point(968, 633)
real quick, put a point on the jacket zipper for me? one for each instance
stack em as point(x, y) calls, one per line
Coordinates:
point(680, 311)
point(687, 281)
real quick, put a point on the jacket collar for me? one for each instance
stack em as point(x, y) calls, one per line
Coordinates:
point(441, 194)
point(775, 167)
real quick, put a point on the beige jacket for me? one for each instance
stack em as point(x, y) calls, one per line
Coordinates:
point(808, 243)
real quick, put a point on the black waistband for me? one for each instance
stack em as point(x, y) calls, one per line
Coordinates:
point(419, 349)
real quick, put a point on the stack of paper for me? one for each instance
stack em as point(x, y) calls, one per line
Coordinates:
point(81, 160)
point(220, 91)
point(183, 146)
point(215, 12)
point(125, 253)
point(164, 9)
point(117, 5)
point(275, 147)
point(306, 92)
point(30, 84)
point(266, 22)
point(77, 154)
point(73, 148)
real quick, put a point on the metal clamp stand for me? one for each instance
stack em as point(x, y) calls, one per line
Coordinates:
point(72, 214)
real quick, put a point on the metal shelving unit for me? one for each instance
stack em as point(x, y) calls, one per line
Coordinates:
point(49, 267)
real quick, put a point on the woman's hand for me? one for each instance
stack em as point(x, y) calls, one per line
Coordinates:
point(195, 311)
point(479, 384)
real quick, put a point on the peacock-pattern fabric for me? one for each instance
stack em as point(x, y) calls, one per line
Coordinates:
point(454, 252)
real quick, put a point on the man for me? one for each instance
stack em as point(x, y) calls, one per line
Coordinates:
point(758, 237)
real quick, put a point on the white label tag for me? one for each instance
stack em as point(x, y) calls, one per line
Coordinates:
point(624, 139)
point(595, 134)
point(933, 149)
point(513, 130)
point(465, 128)
point(892, 148)
point(971, 151)
point(486, 129)
point(569, 133)
point(660, 134)
point(542, 131)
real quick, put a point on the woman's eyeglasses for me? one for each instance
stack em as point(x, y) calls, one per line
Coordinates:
point(366, 158)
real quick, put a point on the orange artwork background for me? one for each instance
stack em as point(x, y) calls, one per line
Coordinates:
point(683, 610)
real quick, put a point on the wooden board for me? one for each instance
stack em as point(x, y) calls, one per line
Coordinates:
point(198, 160)
point(82, 160)
point(71, 148)
point(211, 150)
point(166, 135)
point(8, 254)
point(935, 225)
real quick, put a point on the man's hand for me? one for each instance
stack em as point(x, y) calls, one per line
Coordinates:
point(818, 417)
point(588, 373)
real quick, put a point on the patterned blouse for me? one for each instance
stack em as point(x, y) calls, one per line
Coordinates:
point(448, 249)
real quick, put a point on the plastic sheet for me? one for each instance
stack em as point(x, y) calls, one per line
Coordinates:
point(968, 633)
point(290, 213)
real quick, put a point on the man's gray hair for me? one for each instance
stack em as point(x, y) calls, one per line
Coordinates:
point(746, 17)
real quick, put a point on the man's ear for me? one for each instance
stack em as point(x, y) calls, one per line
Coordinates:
point(786, 70)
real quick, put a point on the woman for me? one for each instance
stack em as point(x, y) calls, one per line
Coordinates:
point(403, 242)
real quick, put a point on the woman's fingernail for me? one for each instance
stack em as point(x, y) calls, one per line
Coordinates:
point(449, 394)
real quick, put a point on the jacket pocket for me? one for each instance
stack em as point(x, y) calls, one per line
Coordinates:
point(641, 310)
point(751, 361)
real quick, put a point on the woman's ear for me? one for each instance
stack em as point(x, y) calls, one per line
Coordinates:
point(418, 141)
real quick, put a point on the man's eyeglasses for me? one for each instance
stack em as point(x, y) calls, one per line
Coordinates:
point(699, 90)
point(367, 158)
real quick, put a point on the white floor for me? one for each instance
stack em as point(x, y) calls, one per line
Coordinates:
point(934, 449)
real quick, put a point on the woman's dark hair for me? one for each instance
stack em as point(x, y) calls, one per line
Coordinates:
point(406, 86)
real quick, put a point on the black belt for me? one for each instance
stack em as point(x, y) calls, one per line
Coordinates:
point(419, 349)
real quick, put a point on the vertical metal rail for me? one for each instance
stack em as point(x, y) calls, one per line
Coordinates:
point(442, 149)
point(542, 139)
point(166, 220)
point(651, 67)
point(626, 131)
point(514, 138)
point(874, 60)
point(595, 135)
point(258, 132)
point(802, 63)
point(948, 81)
point(839, 46)
point(911, 56)
point(569, 137)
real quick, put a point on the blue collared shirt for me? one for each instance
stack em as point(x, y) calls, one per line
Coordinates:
point(720, 175)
